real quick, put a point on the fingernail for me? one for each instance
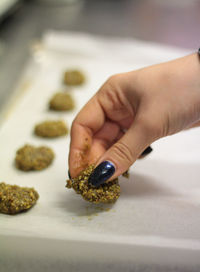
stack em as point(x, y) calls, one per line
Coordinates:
point(148, 150)
point(101, 173)
point(69, 175)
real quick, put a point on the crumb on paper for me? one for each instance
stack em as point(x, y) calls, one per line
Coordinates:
point(126, 174)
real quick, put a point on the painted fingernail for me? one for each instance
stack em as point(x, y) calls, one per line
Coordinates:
point(101, 173)
point(69, 175)
point(148, 150)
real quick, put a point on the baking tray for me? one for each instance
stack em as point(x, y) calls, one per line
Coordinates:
point(155, 224)
point(6, 7)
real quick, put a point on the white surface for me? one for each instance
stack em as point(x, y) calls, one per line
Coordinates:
point(156, 220)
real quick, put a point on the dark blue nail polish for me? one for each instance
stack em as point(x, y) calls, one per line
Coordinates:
point(148, 150)
point(101, 173)
point(69, 175)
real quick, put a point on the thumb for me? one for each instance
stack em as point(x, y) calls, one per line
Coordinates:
point(120, 156)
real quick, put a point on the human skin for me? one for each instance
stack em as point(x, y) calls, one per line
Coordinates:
point(132, 110)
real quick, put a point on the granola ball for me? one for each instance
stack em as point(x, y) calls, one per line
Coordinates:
point(73, 77)
point(15, 199)
point(33, 158)
point(51, 129)
point(61, 102)
point(106, 193)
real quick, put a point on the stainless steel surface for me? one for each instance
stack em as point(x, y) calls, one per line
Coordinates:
point(7, 6)
point(170, 22)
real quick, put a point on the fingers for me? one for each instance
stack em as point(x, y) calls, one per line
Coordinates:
point(120, 156)
point(91, 135)
point(125, 152)
point(197, 124)
point(98, 125)
point(107, 134)
point(89, 120)
point(116, 103)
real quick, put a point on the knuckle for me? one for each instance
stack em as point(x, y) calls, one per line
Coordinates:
point(113, 96)
point(123, 152)
point(112, 79)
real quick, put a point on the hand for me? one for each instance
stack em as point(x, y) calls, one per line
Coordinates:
point(132, 110)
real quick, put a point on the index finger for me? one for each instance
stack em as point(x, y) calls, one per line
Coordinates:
point(88, 121)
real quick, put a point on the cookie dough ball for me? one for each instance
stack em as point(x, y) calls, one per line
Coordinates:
point(33, 158)
point(15, 199)
point(51, 129)
point(73, 77)
point(106, 193)
point(61, 102)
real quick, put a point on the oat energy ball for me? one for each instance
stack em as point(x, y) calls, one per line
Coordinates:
point(51, 129)
point(106, 193)
point(73, 77)
point(61, 102)
point(15, 199)
point(33, 158)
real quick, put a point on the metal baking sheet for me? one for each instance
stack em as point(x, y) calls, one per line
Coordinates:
point(156, 220)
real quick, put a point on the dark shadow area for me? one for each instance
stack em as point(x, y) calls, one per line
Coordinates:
point(141, 185)
point(160, 178)
point(76, 205)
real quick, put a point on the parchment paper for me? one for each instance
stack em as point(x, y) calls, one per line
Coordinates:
point(159, 204)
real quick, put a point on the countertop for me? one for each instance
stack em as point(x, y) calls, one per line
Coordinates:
point(174, 23)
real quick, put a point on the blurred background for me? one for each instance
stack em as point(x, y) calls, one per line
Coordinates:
point(22, 22)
